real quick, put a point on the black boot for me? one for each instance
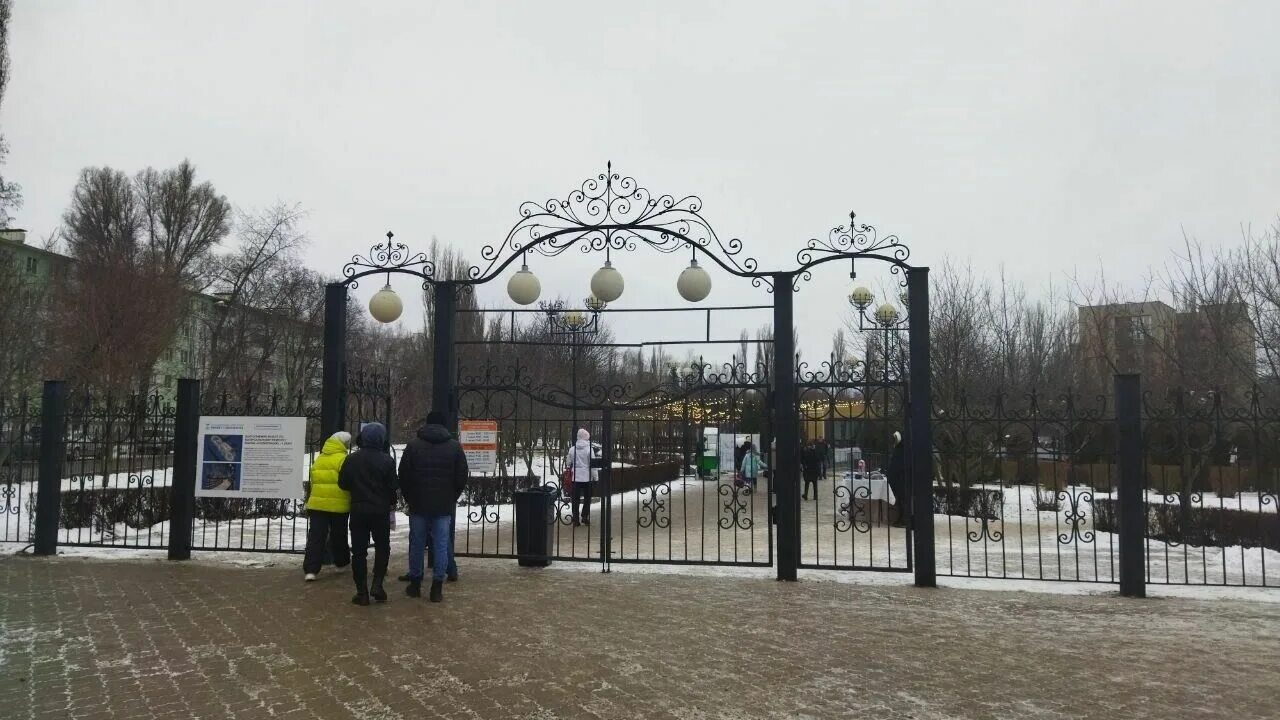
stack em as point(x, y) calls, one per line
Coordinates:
point(362, 594)
point(453, 577)
point(414, 589)
point(376, 592)
point(437, 591)
point(405, 578)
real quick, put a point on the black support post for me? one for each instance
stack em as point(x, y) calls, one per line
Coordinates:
point(1133, 506)
point(442, 369)
point(785, 472)
point(605, 517)
point(53, 454)
point(182, 495)
point(920, 429)
point(335, 355)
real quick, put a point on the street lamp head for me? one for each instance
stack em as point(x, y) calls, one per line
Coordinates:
point(607, 283)
point(523, 287)
point(886, 314)
point(861, 298)
point(694, 283)
point(574, 320)
point(595, 304)
point(385, 305)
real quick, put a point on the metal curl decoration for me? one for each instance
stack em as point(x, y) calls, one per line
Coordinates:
point(483, 516)
point(849, 512)
point(389, 257)
point(1075, 516)
point(736, 506)
point(8, 492)
point(855, 238)
point(613, 212)
point(652, 507)
point(984, 531)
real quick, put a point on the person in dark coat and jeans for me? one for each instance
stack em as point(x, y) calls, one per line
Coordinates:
point(811, 468)
point(369, 474)
point(433, 473)
point(896, 474)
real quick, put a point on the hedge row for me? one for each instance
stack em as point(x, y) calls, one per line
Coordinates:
point(1199, 526)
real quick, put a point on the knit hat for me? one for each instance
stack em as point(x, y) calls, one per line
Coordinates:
point(343, 437)
point(373, 436)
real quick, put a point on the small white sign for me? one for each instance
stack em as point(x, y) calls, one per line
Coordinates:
point(251, 457)
point(479, 440)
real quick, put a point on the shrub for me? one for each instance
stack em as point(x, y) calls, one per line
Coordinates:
point(1202, 526)
point(968, 502)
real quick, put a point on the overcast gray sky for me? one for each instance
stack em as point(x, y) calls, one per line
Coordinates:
point(1041, 136)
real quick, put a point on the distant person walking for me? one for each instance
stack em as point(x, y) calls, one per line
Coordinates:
point(578, 461)
point(751, 466)
point(369, 475)
point(327, 507)
point(433, 473)
point(811, 468)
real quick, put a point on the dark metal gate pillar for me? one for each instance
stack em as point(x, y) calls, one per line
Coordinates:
point(442, 367)
point(182, 498)
point(920, 431)
point(53, 454)
point(606, 489)
point(1133, 506)
point(335, 353)
point(785, 473)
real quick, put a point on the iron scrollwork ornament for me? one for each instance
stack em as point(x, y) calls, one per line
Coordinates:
point(389, 257)
point(613, 212)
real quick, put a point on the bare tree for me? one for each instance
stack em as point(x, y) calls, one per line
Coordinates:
point(182, 221)
point(10, 192)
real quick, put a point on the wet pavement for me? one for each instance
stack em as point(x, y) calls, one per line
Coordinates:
point(152, 639)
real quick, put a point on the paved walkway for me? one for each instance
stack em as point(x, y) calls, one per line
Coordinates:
point(151, 639)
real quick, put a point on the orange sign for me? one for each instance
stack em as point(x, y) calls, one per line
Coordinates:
point(479, 439)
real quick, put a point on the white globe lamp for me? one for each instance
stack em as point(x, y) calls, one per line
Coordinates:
point(385, 305)
point(694, 283)
point(886, 314)
point(861, 297)
point(523, 288)
point(607, 283)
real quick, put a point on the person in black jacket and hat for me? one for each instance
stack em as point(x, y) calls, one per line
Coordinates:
point(896, 474)
point(433, 473)
point(369, 474)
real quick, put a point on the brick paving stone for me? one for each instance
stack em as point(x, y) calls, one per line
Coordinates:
point(147, 639)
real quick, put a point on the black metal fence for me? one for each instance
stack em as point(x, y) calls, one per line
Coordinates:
point(1025, 489)
point(19, 466)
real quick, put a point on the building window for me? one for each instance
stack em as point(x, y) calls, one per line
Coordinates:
point(186, 356)
point(32, 264)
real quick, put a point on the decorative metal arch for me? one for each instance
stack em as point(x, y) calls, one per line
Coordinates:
point(613, 212)
point(389, 257)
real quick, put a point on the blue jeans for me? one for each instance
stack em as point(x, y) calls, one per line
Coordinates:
point(437, 534)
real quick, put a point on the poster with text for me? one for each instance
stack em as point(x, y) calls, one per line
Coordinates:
point(479, 439)
point(251, 457)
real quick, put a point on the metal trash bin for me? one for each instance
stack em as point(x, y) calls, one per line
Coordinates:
point(535, 513)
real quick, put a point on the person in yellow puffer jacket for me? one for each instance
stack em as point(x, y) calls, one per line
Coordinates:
point(327, 507)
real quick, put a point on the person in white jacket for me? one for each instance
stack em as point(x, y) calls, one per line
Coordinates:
point(578, 464)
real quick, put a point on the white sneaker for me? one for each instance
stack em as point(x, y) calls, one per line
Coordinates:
point(310, 577)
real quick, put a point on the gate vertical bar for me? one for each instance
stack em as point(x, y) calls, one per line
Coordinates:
point(442, 375)
point(53, 453)
point(335, 354)
point(786, 428)
point(182, 495)
point(920, 432)
point(1133, 511)
point(606, 489)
